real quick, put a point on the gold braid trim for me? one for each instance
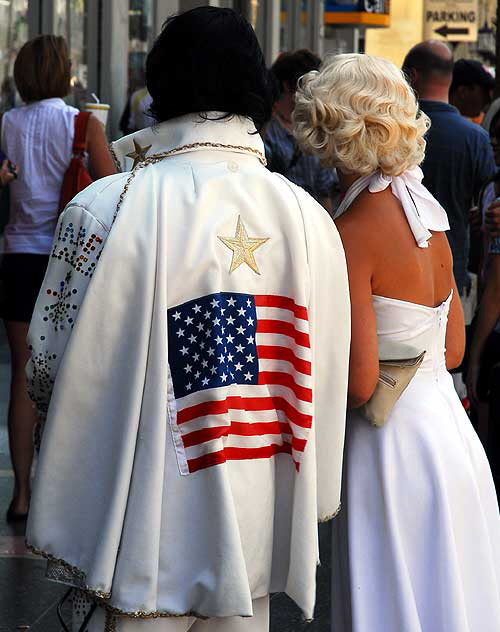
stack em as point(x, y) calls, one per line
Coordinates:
point(124, 192)
point(176, 150)
point(329, 517)
point(102, 597)
point(140, 614)
point(79, 575)
point(115, 157)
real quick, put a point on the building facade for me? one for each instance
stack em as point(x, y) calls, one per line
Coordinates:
point(109, 39)
point(407, 28)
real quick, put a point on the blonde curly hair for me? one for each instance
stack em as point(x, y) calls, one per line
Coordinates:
point(358, 113)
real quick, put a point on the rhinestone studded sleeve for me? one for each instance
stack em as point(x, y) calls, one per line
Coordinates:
point(77, 246)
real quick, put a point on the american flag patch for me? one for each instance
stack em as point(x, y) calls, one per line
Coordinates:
point(241, 376)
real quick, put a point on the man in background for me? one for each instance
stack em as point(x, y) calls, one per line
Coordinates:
point(471, 89)
point(285, 157)
point(459, 158)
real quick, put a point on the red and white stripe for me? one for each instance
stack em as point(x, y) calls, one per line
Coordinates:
point(253, 421)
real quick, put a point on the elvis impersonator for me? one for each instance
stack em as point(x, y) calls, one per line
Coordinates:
point(189, 361)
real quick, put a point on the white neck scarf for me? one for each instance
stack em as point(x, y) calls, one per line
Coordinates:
point(422, 210)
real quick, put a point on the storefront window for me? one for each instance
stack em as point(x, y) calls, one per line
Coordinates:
point(140, 40)
point(304, 22)
point(13, 34)
point(71, 23)
point(284, 30)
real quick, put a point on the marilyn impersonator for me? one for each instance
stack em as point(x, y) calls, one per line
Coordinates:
point(190, 354)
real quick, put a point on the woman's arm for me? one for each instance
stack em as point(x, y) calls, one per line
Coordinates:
point(364, 364)
point(455, 332)
point(492, 219)
point(100, 160)
point(489, 312)
point(6, 175)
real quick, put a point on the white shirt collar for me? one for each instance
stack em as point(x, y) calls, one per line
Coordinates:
point(53, 102)
point(192, 132)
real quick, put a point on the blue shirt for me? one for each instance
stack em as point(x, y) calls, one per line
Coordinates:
point(494, 248)
point(302, 169)
point(458, 161)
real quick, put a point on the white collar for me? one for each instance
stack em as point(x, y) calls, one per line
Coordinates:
point(189, 133)
point(53, 102)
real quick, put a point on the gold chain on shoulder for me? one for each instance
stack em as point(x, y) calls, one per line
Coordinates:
point(124, 192)
point(114, 156)
point(158, 157)
point(176, 150)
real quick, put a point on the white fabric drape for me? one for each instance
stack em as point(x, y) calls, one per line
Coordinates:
point(422, 210)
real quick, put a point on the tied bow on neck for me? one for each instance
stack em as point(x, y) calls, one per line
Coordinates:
point(422, 210)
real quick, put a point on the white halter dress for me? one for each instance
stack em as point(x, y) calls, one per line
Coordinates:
point(417, 543)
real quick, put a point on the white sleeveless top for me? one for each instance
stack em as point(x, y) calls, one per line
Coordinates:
point(38, 138)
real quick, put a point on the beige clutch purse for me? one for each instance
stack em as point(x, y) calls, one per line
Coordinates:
point(394, 377)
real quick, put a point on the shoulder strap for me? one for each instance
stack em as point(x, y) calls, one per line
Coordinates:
point(352, 193)
point(80, 139)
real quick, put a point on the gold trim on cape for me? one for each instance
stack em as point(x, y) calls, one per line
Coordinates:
point(329, 517)
point(79, 575)
point(115, 157)
point(102, 597)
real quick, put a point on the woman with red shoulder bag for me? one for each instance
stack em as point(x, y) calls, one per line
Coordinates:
point(38, 137)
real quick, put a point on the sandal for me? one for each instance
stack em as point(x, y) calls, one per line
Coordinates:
point(15, 516)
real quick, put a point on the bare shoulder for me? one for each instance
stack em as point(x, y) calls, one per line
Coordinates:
point(369, 220)
point(94, 127)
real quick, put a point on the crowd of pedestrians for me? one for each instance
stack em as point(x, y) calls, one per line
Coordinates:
point(220, 355)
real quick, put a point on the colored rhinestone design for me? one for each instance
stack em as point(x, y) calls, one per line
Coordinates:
point(62, 311)
point(70, 241)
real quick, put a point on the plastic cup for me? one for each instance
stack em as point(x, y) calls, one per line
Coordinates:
point(99, 110)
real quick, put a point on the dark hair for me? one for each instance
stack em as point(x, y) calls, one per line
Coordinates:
point(208, 59)
point(289, 67)
point(42, 69)
point(427, 61)
point(470, 72)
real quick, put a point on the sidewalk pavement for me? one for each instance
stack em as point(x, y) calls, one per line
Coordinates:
point(28, 601)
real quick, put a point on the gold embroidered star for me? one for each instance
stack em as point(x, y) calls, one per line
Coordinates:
point(243, 247)
point(139, 153)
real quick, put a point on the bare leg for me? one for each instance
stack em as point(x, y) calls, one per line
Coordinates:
point(21, 416)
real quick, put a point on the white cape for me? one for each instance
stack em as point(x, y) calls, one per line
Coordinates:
point(112, 500)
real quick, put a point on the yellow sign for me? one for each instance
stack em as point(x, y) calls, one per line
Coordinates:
point(451, 20)
point(357, 18)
